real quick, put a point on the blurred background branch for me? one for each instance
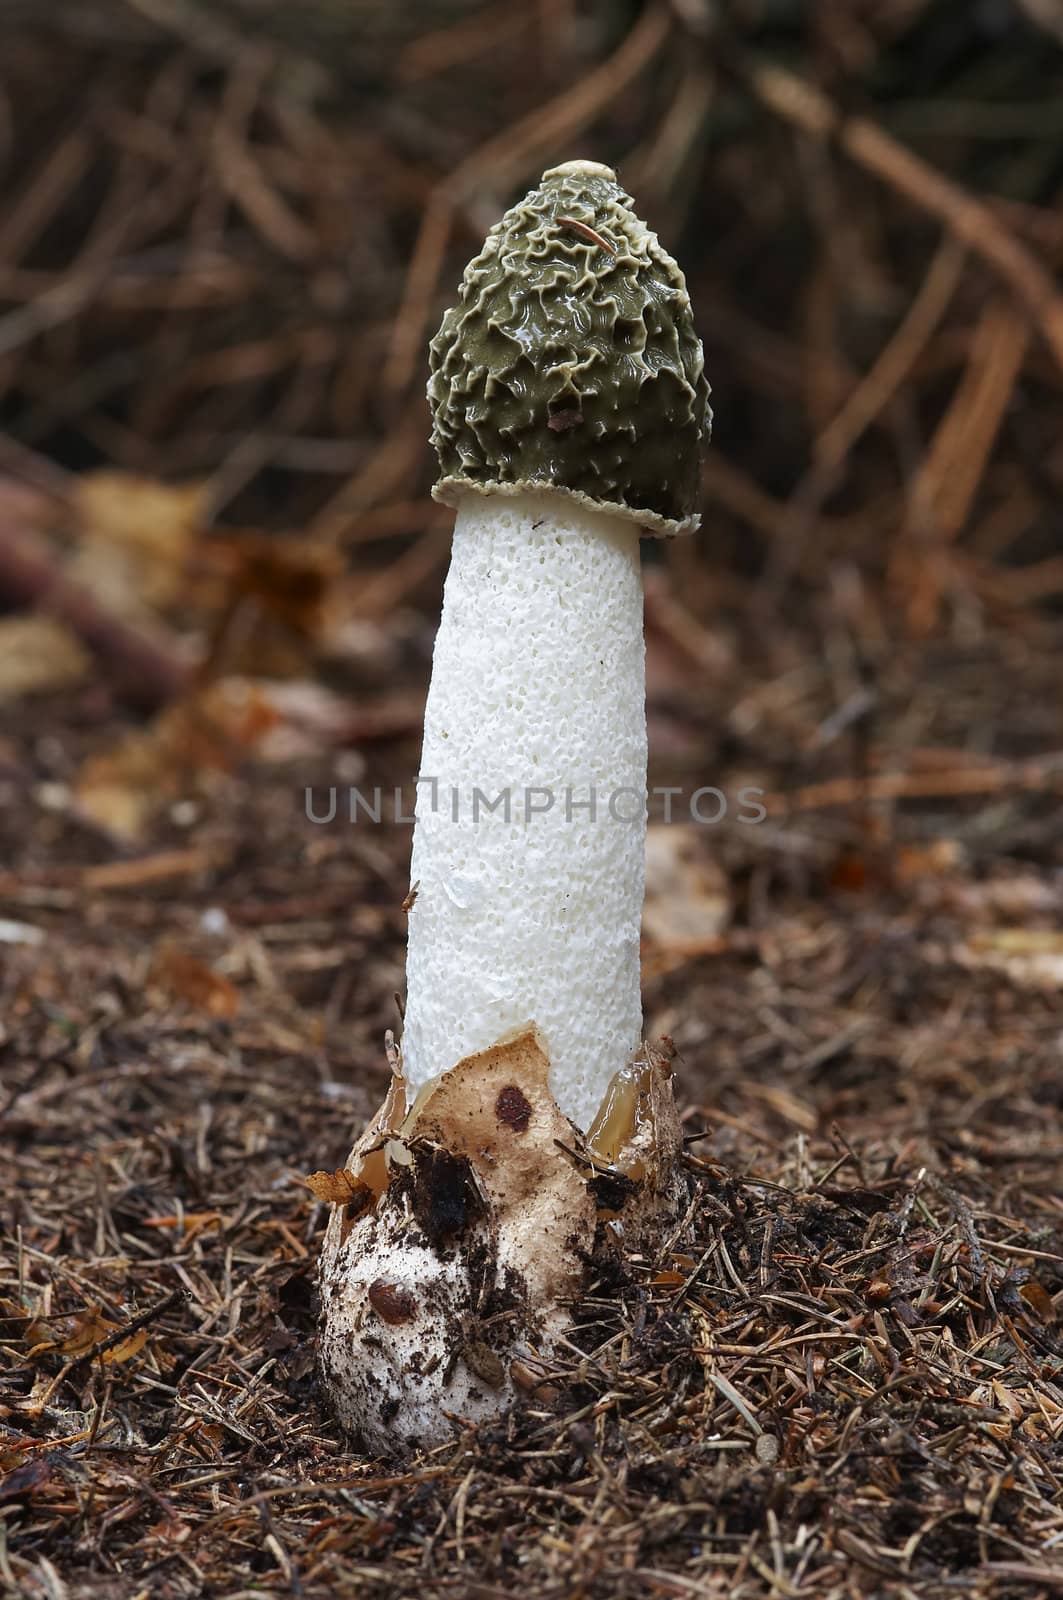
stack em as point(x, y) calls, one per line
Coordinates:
point(227, 229)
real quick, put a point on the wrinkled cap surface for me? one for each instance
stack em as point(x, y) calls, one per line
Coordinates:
point(570, 360)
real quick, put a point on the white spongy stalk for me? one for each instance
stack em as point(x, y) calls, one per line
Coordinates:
point(538, 684)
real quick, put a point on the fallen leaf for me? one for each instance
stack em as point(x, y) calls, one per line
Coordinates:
point(126, 1349)
point(87, 1328)
point(74, 1336)
point(121, 789)
point(184, 977)
point(136, 537)
point(68, 1336)
point(852, 873)
point(19, 933)
point(1030, 957)
point(786, 1105)
point(291, 578)
point(202, 740)
point(1038, 1300)
point(24, 1480)
point(209, 1437)
point(38, 655)
point(687, 896)
point(189, 1222)
point(914, 862)
point(336, 1188)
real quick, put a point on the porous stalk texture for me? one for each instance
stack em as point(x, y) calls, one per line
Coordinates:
point(538, 694)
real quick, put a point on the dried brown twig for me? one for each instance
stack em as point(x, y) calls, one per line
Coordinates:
point(513, 153)
point(972, 222)
point(142, 668)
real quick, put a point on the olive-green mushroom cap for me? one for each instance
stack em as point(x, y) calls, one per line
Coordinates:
point(570, 361)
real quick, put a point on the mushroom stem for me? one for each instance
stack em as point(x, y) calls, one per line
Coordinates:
point(529, 841)
point(569, 403)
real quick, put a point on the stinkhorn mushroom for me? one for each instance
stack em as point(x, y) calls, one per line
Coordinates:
point(569, 404)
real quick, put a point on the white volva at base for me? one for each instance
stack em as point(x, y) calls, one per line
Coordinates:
point(538, 684)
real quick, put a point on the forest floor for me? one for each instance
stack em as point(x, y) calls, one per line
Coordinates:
point(227, 232)
point(853, 1386)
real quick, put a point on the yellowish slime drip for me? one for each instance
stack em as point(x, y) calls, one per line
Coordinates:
point(623, 1111)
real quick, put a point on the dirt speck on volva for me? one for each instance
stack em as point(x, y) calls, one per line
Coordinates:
point(513, 1108)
